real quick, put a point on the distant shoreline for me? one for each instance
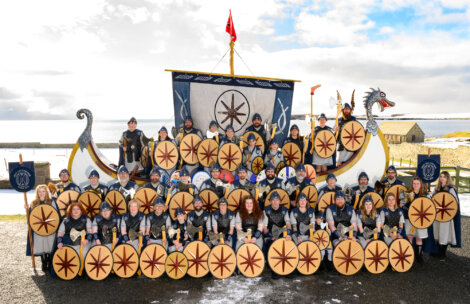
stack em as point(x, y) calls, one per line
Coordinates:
point(363, 117)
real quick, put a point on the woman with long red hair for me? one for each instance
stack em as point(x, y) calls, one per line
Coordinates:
point(250, 217)
point(75, 220)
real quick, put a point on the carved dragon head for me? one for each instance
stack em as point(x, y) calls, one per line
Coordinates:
point(377, 96)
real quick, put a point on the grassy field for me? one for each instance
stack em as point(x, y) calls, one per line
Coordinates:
point(457, 134)
point(451, 157)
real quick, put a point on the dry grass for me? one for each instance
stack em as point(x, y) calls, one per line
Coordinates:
point(451, 157)
point(13, 218)
point(457, 134)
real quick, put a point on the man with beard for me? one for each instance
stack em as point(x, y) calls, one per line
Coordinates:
point(155, 221)
point(271, 182)
point(229, 136)
point(360, 190)
point(183, 185)
point(344, 154)
point(186, 130)
point(391, 180)
point(156, 185)
point(274, 155)
point(95, 186)
point(214, 183)
point(64, 184)
point(103, 225)
point(130, 146)
point(243, 182)
point(132, 223)
point(223, 221)
point(296, 184)
point(251, 152)
point(200, 219)
point(258, 128)
point(340, 213)
point(124, 185)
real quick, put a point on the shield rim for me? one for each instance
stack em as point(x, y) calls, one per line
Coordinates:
point(142, 257)
point(141, 204)
point(114, 259)
point(123, 202)
point(271, 249)
point(320, 259)
point(222, 149)
point(183, 141)
point(62, 213)
point(207, 262)
point(290, 144)
point(317, 140)
point(455, 202)
point(67, 247)
point(412, 255)
point(89, 193)
point(263, 262)
point(365, 256)
point(111, 266)
point(267, 202)
point(415, 201)
point(349, 242)
point(177, 253)
point(30, 220)
point(172, 199)
point(234, 256)
point(156, 157)
point(259, 158)
point(353, 122)
point(230, 196)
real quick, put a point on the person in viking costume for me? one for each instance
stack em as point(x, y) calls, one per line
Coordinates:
point(183, 185)
point(132, 223)
point(447, 233)
point(301, 218)
point(331, 185)
point(276, 217)
point(125, 186)
point(130, 146)
point(271, 182)
point(213, 132)
point(180, 238)
point(294, 137)
point(344, 155)
point(320, 224)
point(186, 130)
point(251, 152)
point(243, 182)
point(229, 137)
point(43, 245)
point(103, 225)
point(391, 180)
point(321, 164)
point(201, 219)
point(274, 154)
point(223, 221)
point(74, 225)
point(368, 219)
point(361, 189)
point(214, 183)
point(95, 186)
point(162, 136)
point(64, 184)
point(416, 190)
point(157, 221)
point(393, 219)
point(249, 223)
point(340, 217)
point(259, 128)
point(155, 184)
point(296, 184)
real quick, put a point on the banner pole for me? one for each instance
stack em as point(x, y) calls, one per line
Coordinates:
point(232, 44)
point(31, 245)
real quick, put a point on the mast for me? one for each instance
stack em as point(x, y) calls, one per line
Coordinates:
point(232, 44)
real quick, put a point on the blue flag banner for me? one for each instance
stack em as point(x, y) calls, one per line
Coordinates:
point(22, 177)
point(232, 101)
point(429, 167)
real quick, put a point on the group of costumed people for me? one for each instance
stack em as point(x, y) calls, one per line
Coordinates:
point(261, 217)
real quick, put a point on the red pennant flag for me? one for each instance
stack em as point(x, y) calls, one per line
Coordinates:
point(230, 29)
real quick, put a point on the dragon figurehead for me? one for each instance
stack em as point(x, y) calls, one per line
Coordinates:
point(372, 97)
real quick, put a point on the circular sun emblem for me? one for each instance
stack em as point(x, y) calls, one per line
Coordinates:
point(232, 108)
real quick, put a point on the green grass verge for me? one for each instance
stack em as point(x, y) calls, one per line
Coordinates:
point(13, 218)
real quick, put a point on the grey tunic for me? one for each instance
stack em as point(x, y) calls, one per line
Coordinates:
point(44, 244)
point(444, 233)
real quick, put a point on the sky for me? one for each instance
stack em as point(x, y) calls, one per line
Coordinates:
point(59, 56)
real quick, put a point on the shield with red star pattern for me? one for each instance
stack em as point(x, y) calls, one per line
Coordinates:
point(325, 143)
point(145, 197)
point(353, 136)
point(348, 257)
point(152, 261)
point(309, 258)
point(283, 256)
point(446, 206)
point(188, 148)
point(66, 263)
point(176, 265)
point(98, 262)
point(126, 261)
point(250, 260)
point(222, 261)
point(166, 155)
point(376, 256)
point(197, 253)
point(91, 202)
point(44, 220)
point(182, 200)
point(422, 212)
point(401, 255)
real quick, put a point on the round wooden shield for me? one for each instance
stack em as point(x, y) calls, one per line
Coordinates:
point(226, 176)
point(250, 260)
point(292, 154)
point(207, 152)
point(98, 262)
point(311, 173)
point(321, 238)
point(91, 202)
point(66, 263)
point(152, 261)
point(285, 200)
point(283, 256)
point(222, 261)
point(126, 260)
point(401, 255)
point(44, 219)
point(146, 197)
point(325, 143)
point(230, 157)
point(310, 258)
point(64, 200)
point(182, 200)
point(396, 189)
point(144, 158)
point(197, 253)
point(326, 200)
point(348, 257)
point(259, 140)
point(188, 148)
point(117, 201)
point(446, 206)
point(422, 212)
point(376, 256)
point(176, 265)
point(210, 200)
point(286, 173)
point(235, 198)
point(312, 195)
point(166, 155)
point(353, 136)
point(257, 165)
point(378, 201)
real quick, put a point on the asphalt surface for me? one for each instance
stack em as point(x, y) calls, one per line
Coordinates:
point(433, 282)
